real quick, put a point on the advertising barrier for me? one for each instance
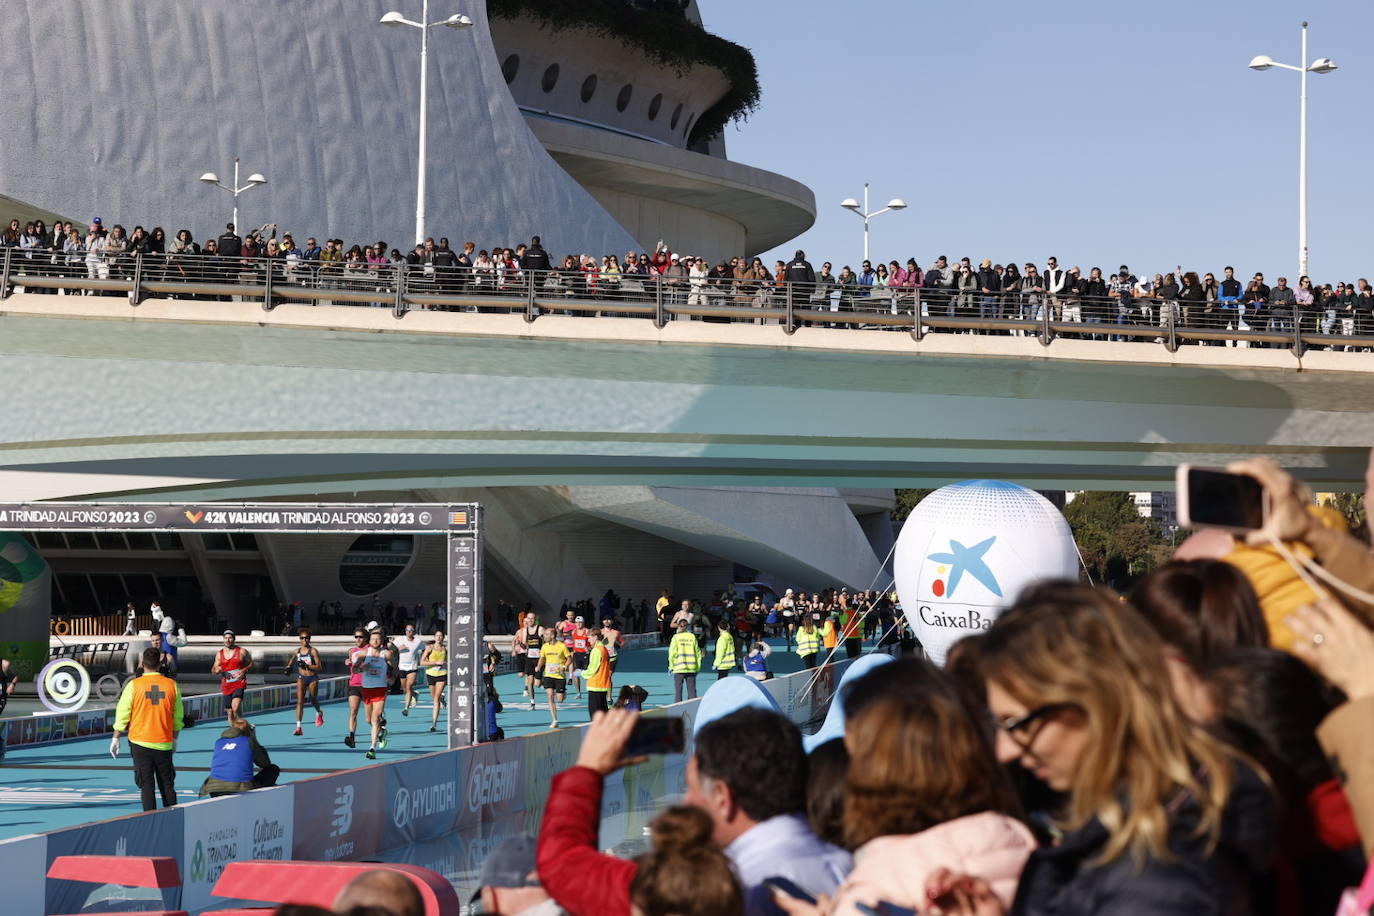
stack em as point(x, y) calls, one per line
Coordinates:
point(454, 806)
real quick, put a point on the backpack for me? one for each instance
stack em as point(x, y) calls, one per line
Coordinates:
point(934, 277)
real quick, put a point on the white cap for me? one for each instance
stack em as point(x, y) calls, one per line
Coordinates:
point(372, 625)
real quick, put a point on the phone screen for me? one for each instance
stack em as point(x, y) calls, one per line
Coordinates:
point(1223, 500)
point(790, 888)
point(657, 735)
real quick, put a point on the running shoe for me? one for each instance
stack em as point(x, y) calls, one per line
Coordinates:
point(319, 719)
point(371, 754)
point(532, 704)
point(381, 740)
point(383, 722)
point(297, 732)
point(434, 728)
point(405, 710)
point(553, 724)
point(348, 740)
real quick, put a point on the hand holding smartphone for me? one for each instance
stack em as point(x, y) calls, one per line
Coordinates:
point(1214, 498)
point(657, 735)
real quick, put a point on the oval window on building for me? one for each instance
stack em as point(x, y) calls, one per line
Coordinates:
point(677, 116)
point(589, 88)
point(655, 105)
point(622, 101)
point(374, 561)
point(510, 67)
point(550, 78)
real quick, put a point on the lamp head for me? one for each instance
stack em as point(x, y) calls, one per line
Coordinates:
point(256, 179)
point(1261, 62)
point(896, 203)
point(457, 21)
point(394, 18)
point(1322, 65)
point(210, 178)
point(849, 203)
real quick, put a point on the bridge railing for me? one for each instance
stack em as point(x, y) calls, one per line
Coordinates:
point(830, 303)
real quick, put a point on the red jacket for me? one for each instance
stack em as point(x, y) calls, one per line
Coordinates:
point(583, 881)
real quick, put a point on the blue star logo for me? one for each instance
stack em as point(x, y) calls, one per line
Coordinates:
point(969, 560)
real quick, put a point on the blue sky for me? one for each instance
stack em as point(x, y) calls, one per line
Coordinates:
point(1100, 132)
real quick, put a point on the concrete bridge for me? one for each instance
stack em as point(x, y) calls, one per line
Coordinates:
point(222, 400)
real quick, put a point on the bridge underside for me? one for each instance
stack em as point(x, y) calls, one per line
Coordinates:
point(208, 400)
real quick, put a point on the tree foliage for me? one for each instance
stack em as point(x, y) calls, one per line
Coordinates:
point(1352, 506)
point(1117, 544)
point(906, 501)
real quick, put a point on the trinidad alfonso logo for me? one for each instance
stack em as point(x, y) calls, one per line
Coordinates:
point(959, 560)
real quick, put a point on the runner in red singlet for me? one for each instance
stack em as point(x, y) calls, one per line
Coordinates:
point(232, 664)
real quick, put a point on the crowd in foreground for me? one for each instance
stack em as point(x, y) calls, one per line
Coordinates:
point(943, 288)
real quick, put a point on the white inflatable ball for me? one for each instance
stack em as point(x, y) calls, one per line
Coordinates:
point(967, 550)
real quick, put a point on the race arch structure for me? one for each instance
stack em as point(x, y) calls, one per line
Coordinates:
point(461, 525)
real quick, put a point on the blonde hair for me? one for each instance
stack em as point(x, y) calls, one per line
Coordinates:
point(1067, 643)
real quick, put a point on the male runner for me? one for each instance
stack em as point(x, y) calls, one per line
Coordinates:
point(306, 661)
point(232, 664)
point(553, 664)
point(520, 655)
point(355, 684)
point(613, 638)
point(150, 710)
point(8, 678)
point(534, 643)
point(581, 645)
point(374, 664)
point(598, 674)
point(566, 626)
point(409, 648)
point(436, 657)
point(168, 653)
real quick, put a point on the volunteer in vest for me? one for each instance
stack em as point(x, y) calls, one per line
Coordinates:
point(580, 643)
point(830, 636)
point(239, 763)
point(232, 664)
point(355, 684)
point(684, 661)
point(436, 673)
point(598, 673)
point(613, 638)
point(521, 657)
point(150, 711)
point(554, 657)
point(306, 661)
point(725, 650)
point(409, 648)
point(808, 642)
point(374, 664)
point(852, 617)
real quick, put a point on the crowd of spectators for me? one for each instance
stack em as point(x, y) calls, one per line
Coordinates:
point(945, 288)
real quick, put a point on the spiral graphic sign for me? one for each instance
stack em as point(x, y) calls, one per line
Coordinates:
point(63, 685)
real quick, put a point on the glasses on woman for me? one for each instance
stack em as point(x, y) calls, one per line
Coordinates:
point(1024, 729)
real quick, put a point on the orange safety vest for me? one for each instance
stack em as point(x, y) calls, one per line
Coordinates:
point(153, 714)
point(828, 634)
point(602, 679)
point(851, 625)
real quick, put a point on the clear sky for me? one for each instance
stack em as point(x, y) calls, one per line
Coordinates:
point(1101, 132)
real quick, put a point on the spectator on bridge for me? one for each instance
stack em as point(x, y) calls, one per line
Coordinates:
point(536, 258)
point(239, 763)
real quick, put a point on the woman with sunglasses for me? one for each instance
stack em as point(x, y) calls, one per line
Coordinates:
point(1159, 816)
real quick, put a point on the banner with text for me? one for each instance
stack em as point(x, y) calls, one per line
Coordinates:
point(252, 825)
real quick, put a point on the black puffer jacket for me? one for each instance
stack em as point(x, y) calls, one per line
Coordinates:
point(1062, 881)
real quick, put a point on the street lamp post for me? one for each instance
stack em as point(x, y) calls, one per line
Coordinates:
point(852, 206)
point(1320, 65)
point(456, 21)
point(254, 180)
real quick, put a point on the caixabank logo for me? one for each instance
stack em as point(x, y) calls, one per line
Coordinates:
point(966, 552)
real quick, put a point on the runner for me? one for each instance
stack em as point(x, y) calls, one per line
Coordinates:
point(614, 639)
point(306, 661)
point(375, 665)
point(436, 657)
point(581, 644)
point(168, 653)
point(553, 664)
point(8, 678)
point(409, 647)
point(534, 642)
point(232, 664)
point(566, 626)
point(355, 684)
point(598, 673)
point(787, 607)
point(523, 659)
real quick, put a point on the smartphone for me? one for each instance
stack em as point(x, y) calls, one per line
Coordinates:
point(1214, 498)
point(657, 735)
point(885, 909)
point(790, 888)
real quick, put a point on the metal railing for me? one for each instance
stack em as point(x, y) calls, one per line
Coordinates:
point(830, 303)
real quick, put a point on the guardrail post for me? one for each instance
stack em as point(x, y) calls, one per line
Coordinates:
point(532, 310)
point(136, 294)
point(398, 307)
point(1299, 348)
point(660, 318)
point(790, 327)
point(1045, 334)
point(918, 333)
point(5, 276)
point(1171, 342)
point(267, 303)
